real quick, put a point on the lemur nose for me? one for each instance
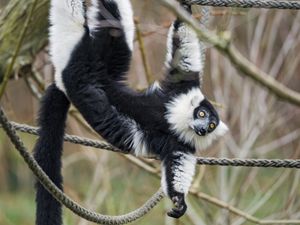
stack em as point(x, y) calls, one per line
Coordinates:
point(202, 131)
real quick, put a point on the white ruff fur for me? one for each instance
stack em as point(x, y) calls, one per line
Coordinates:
point(184, 171)
point(188, 56)
point(66, 30)
point(180, 115)
point(126, 14)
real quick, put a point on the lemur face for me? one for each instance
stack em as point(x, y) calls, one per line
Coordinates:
point(205, 118)
point(193, 118)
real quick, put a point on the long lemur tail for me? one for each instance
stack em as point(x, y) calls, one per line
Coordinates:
point(48, 151)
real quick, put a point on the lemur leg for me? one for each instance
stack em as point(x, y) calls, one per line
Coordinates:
point(178, 169)
point(111, 26)
point(183, 59)
point(183, 48)
point(112, 13)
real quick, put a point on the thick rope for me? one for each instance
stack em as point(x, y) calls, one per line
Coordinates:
point(64, 199)
point(268, 4)
point(274, 163)
point(68, 138)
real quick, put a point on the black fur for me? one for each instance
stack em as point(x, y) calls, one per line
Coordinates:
point(48, 152)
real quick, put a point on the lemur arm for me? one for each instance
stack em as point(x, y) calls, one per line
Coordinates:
point(178, 170)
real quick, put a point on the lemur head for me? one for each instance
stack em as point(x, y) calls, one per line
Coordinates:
point(194, 119)
point(205, 118)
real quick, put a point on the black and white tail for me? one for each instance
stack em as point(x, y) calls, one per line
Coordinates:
point(48, 151)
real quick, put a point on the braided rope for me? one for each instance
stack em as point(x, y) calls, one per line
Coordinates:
point(269, 4)
point(64, 199)
point(273, 163)
point(68, 138)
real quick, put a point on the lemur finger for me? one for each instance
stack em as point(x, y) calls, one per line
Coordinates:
point(180, 206)
point(177, 212)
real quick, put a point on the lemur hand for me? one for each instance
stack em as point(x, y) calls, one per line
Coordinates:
point(180, 206)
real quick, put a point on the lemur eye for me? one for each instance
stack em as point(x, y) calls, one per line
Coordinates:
point(212, 125)
point(201, 114)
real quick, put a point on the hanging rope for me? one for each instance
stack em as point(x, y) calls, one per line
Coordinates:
point(273, 163)
point(64, 199)
point(268, 4)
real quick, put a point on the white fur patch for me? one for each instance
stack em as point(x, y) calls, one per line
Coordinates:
point(180, 115)
point(188, 55)
point(183, 173)
point(137, 141)
point(66, 30)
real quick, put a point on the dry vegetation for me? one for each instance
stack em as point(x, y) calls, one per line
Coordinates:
point(261, 126)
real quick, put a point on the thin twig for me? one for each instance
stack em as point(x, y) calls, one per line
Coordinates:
point(143, 51)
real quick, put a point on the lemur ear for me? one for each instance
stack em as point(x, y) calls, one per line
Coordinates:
point(195, 101)
point(221, 129)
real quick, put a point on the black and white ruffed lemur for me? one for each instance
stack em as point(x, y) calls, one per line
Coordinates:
point(91, 48)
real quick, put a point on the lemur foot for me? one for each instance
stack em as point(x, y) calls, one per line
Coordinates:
point(180, 206)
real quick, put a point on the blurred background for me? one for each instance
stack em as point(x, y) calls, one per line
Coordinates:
point(260, 125)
